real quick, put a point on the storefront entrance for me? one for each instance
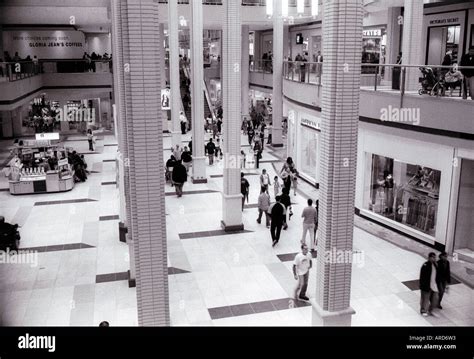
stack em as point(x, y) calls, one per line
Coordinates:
point(441, 40)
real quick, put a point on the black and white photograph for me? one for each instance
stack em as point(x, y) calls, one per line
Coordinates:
point(237, 167)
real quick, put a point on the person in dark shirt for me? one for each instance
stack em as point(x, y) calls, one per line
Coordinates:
point(250, 134)
point(169, 169)
point(443, 277)
point(210, 150)
point(468, 60)
point(428, 286)
point(179, 176)
point(244, 189)
point(277, 212)
point(286, 201)
point(187, 158)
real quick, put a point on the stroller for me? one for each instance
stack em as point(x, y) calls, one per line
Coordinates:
point(431, 83)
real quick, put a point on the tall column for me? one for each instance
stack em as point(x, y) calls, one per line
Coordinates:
point(197, 94)
point(164, 77)
point(245, 71)
point(231, 59)
point(342, 31)
point(393, 39)
point(142, 117)
point(277, 98)
point(175, 92)
point(412, 53)
point(119, 34)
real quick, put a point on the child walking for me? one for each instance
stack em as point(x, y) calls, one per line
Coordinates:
point(276, 186)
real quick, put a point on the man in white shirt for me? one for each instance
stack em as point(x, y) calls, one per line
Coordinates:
point(308, 215)
point(265, 180)
point(301, 266)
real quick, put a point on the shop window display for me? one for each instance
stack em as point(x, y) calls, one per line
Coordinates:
point(405, 193)
point(309, 150)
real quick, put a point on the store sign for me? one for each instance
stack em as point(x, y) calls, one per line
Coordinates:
point(47, 136)
point(450, 20)
point(372, 33)
point(62, 162)
point(45, 44)
point(36, 143)
point(310, 123)
point(165, 99)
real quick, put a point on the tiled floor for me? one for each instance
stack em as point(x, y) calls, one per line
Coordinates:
point(215, 278)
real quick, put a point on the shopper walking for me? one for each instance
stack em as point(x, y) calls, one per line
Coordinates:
point(301, 266)
point(309, 214)
point(244, 189)
point(276, 186)
point(428, 286)
point(263, 205)
point(242, 159)
point(257, 149)
point(468, 60)
point(265, 180)
point(443, 277)
point(316, 224)
point(294, 180)
point(286, 201)
point(90, 139)
point(250, 134)
point(184, 123)
point(179, 176)
point(277, 212)
point(177, 152)
point(187, 158)
point(210, 150)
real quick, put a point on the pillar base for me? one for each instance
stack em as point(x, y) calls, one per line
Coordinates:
point(321, 317)
point(199, 170)
point(277, 137)
point(232, 213)
point(131, 281)
point(234, 228)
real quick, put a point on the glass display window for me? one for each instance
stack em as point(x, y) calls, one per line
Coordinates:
point(403, 192)
point(309, 151)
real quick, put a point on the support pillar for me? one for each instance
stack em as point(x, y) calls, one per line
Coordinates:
point(245, 71)
point(175, 92)
point(197, 94)
point(342, 31)
point(277, 98)
point(412, 53)
point(393, 39)
point(141, 115)
point(164, 79)
point(231, 59)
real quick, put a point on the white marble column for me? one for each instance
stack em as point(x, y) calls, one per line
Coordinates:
point(173, 39)
point(245, 71)
point(231, 58)
point(412, 52)
point(277, 98)
point(142, 116)
point(197, 94)
point(342, 31)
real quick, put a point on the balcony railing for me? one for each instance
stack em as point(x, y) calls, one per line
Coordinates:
point(204, 2)
point(434, 80)
point(291, 3)
point(15, 71)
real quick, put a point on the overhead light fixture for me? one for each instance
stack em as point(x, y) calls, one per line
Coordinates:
point(284, 8)
point(269, 8)
point(300, 6)
point(314, 7)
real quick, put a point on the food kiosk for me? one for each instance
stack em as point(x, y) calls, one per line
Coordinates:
point(40, 167)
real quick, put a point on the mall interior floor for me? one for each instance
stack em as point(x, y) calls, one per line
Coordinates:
point(214, 278)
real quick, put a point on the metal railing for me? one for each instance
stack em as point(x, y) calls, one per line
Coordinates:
point(204, 2)
point(14, 71)
point(263, 66)
point(433, 80)
point(291, 3)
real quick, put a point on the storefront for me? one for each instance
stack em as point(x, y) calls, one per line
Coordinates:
point(444, 34)
point(303, 136)
point(405, 187)
point(373, 47)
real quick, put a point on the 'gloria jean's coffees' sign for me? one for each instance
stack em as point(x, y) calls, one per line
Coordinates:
point(45, 44)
